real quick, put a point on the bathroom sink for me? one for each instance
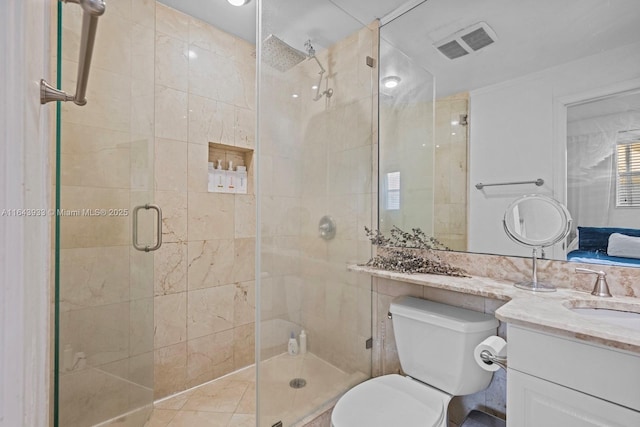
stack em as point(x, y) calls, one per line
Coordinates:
point(626, 319)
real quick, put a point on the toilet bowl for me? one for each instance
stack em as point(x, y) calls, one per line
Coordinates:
point(391, 400)
point(435, 346)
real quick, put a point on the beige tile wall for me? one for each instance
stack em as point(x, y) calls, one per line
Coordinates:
point(451, 172)
point(204, 273)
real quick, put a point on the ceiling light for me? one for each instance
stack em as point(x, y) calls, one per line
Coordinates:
point(295, 95)
point(192, 54)
point(238, 2)
point(390, 81)
point(455, 122)
point(314, 87)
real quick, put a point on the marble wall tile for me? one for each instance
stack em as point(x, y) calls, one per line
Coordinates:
point(213, 76)
point(210, 121)
point(172, 62)
point(93, 277)
point(142, 109)
point(210, 310)
point(245, 128)
point(198, 173)
point(114, 42)
point(171, 113)
point(102, 332)
point(174, 215)
point(244, 262)
point(211, 216)
point(210, 263)
point(110, 96)
point(82, 231)
point(244, 342)
point(210, 38)
point(209, 357)
point(141, 330)
point(244, 303)
point(171, 165)
point(170, 312)
point(171, 22)
point(170, 373)
point(170, 268)
point(245, 216)
point(143, 12)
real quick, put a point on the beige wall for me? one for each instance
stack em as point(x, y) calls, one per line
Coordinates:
point(204, 273)
point(451, 172)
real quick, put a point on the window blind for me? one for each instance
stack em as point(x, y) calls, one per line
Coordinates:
point(628, 173)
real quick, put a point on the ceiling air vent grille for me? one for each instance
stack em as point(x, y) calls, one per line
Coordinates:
point(468, 40)
point(453, 50)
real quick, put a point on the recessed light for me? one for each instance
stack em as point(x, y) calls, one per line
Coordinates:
point(455, 122)
point(314, 87)
point(238, 2)
point(390, 81)
point(294, 95)
point(192, 54)
point(453, 133)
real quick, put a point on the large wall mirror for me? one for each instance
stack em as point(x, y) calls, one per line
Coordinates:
point(538, 94)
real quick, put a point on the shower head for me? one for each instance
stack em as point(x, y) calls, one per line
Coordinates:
point(280, 55)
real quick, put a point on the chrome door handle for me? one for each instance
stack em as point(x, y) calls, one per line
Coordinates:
point(147, 248)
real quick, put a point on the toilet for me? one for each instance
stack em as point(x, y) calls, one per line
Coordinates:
point(435, 343)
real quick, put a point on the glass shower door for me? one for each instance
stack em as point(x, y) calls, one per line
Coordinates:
point(105, 169)
point(316, 154)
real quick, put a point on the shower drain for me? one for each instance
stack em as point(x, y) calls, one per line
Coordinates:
point(297, 383)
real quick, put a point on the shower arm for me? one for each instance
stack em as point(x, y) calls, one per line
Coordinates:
point(320, 74)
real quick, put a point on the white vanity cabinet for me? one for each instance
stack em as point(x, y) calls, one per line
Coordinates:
point(555, 381)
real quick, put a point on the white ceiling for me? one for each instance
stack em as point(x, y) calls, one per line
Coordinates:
point(532, 34)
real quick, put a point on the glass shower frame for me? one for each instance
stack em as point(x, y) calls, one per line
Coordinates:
point(103, 307)
point(316, 158)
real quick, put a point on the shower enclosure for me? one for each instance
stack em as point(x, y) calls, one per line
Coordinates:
point(133, 326)
point(317, 149)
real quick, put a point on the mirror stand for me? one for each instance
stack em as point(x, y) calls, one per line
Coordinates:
point(534, 284)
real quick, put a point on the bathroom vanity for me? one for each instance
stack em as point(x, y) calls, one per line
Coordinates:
point(568, 365)
point(559, 381)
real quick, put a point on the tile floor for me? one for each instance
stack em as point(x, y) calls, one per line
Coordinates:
point(231, 401)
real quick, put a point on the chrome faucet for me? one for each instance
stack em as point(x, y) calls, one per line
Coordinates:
point(601, 289)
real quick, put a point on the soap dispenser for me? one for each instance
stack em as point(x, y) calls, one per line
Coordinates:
point(219, 178)
point(231, 179)
point(293, 345)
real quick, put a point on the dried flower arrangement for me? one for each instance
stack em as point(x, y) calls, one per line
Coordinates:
point(410, 253)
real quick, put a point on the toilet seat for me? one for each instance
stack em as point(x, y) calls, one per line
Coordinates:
point(391, 400)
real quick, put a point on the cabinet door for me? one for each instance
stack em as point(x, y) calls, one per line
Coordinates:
point(532, 402)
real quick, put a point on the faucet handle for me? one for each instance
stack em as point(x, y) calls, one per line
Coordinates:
point(601, 288)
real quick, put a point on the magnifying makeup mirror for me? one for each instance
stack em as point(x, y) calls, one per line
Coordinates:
point(536, 221)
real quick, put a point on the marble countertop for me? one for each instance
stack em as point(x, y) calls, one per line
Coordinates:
point(544, 311)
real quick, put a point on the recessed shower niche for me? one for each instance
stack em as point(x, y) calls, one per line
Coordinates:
point(229, 169)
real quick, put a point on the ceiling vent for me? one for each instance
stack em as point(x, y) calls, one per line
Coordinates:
point(467, 41)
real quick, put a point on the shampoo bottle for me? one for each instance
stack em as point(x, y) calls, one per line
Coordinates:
point(293, 345)
point(303, 342)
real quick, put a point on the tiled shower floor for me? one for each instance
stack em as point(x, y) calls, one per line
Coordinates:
point(230, 401)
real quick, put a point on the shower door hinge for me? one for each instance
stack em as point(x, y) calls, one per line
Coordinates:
point(368, 344)
point(370, 62)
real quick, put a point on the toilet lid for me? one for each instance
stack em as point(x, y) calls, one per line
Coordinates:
point(391, 400)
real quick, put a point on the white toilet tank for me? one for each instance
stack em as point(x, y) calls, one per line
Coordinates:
point(436, 341)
